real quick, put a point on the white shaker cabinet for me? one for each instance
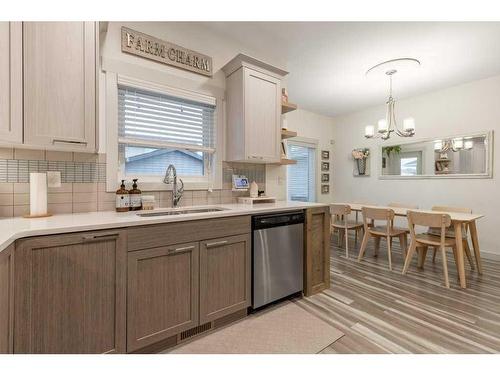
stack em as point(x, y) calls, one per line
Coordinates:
point(60, 85)
point(253, 93)
point(11, 83)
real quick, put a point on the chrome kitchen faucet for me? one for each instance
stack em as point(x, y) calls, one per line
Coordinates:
point(171, 178)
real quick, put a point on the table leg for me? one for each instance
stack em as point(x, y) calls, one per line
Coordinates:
point(422, 254)
point(460, 254)
point(475, 245)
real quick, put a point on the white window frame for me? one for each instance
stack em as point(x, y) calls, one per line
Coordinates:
point(311, 143)
point(213, 173)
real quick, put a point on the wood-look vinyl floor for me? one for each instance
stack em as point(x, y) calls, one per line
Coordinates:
point(382, 311)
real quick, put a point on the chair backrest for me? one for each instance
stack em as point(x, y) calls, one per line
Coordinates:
point(403, 205)
point(428, 219)
point(340, 209)
point(438, 221)
point(452, 209)
point(372, 213)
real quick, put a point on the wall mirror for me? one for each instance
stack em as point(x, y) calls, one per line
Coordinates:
point(461, 156)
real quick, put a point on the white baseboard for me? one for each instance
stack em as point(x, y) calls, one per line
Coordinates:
point(490, 256)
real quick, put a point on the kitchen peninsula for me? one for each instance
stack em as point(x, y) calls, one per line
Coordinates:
point(109, 282)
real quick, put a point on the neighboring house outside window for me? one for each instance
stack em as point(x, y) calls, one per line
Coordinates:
point(150, 161)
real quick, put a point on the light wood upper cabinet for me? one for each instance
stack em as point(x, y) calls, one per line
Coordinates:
point(60, 85)
point(162, 296)
point(70, 293)
point(11, 83)
point(253, 92)
point(225, 279)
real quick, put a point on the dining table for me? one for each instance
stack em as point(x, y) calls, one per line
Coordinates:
point(458, 220)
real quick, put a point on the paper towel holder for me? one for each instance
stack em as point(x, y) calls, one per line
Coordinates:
point(38, 196)
point(37, 216)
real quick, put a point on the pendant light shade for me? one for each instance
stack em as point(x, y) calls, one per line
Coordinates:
point(388, 125)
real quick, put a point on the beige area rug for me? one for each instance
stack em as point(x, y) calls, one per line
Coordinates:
point(284, 329)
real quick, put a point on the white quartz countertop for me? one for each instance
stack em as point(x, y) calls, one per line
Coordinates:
point(12, 229)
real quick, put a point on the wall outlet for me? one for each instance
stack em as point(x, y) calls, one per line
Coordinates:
point(54, 179)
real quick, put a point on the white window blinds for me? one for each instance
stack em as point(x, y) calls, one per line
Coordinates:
point(147, 118)
point(301, 176)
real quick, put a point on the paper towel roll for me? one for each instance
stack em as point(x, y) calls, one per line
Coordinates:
point(38, 194)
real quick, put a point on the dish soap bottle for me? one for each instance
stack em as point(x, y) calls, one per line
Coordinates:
point(122, 198)
point(135, 197)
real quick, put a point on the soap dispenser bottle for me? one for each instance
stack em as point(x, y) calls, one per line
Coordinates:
point(122, 198)
point(135, 197)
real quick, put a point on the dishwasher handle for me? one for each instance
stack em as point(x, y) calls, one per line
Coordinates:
point(277, 220)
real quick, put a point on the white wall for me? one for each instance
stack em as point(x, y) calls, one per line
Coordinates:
point(308, 125)
point(458, 110)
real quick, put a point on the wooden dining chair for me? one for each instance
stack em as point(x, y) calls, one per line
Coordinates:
point(387, 231)
point(363, 203)
point(450, 232)
point(340, 221)
point(403, 205)
point(422, 241)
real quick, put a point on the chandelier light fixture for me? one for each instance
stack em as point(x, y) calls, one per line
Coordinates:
point(455, 145)
point(388, 125)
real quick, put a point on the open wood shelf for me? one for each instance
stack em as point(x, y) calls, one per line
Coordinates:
point(287, 107)
point(286, 162)
point(287, 134)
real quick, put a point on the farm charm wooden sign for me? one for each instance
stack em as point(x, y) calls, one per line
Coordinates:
point(152, 48)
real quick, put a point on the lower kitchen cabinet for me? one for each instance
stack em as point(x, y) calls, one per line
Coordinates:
point(84, 293)
point(162, 293)
point(70, 293)
point(6, 300)
point(225, 276)
point(317, 250)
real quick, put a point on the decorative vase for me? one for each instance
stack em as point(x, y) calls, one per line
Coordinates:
point(361, 163)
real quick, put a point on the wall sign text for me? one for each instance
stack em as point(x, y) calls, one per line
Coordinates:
point(168, 53)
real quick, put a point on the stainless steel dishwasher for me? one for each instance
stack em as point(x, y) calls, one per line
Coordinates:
point(278, 253)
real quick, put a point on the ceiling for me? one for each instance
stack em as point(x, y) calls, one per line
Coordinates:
point(327, 61)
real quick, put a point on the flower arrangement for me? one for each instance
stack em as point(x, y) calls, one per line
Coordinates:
point(361, 153)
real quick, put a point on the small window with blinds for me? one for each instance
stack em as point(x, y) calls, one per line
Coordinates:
point(301, 176)
point(155, 130)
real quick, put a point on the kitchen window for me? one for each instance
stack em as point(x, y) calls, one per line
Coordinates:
point(409, 166)
point(157, 128)
point(410, 163)
point(302, 175)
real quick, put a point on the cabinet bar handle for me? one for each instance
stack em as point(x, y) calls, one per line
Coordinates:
point(79, 143)
point(179, 249)
point(98, 237)
point(213, 244)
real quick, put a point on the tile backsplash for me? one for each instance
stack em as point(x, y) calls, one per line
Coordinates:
point(12, 170)
point(83, 186)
